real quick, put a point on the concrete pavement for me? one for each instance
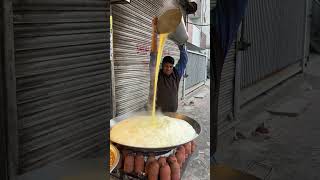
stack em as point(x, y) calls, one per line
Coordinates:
point(197, 106)
point(291, 150)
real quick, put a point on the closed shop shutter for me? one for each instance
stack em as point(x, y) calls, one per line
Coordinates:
point(226, 99)
point(275, 30)
point(63, 79)
point(131, 47)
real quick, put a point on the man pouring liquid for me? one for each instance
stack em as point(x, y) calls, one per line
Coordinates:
point(169, 76)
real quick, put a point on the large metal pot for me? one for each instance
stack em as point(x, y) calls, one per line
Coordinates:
point(196, 126)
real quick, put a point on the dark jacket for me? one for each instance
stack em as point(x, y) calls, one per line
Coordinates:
point(168, 86)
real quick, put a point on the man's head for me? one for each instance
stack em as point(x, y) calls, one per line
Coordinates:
point(167, 65)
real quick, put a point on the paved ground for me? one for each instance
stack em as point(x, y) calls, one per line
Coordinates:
point(292, 148)
point(197, 106)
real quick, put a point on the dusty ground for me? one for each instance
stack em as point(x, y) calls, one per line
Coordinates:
point(198, 108)
point(292, 148)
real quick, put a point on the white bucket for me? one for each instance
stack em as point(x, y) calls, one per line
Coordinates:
point(180, 36)
point(172, 22)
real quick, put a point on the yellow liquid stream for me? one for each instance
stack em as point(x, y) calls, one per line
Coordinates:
point(162, 41)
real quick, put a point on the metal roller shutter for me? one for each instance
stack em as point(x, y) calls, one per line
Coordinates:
point(63, 79)
point(226, 96)
point(131, 47)
point(267, 22)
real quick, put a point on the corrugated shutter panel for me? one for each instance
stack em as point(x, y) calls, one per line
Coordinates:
point(63, 79)
point(275, 30)
point(227, 85)
point(131, 43)
point(196, 69)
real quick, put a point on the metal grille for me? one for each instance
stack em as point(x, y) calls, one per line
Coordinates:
point(196, 69)
point(63, 79)
point(275, 30)
point(131, 47)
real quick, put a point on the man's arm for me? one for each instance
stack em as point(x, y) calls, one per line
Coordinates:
point(182, 64)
